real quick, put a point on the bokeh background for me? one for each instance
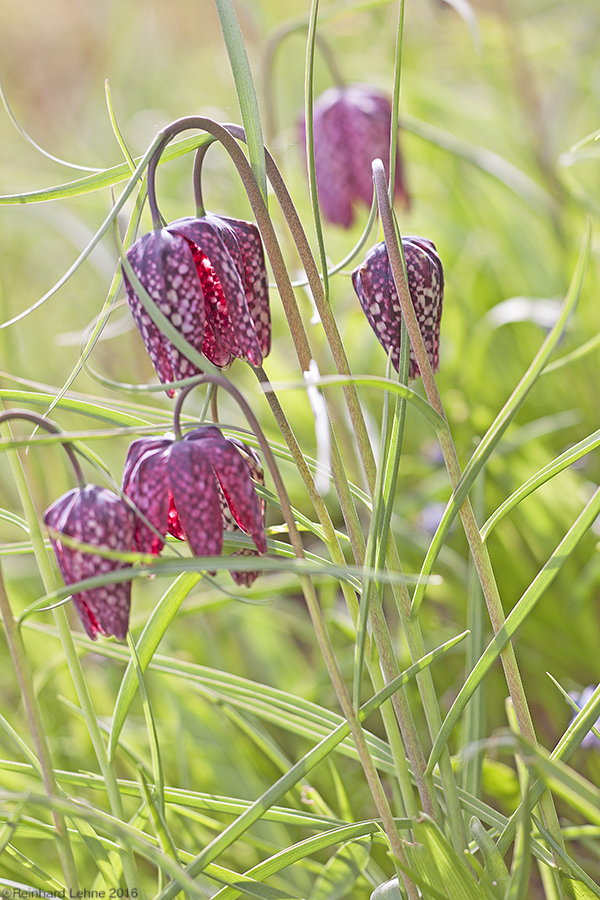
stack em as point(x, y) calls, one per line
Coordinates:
point(495, 102)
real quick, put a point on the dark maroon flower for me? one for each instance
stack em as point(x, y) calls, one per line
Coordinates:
point(94, 515)
point(351, 129)
point(193, 488)
point(374, 285)
point(229, 523)
point(208, 277)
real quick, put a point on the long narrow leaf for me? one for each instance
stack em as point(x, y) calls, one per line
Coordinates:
point(515, 619)
point(244, 85)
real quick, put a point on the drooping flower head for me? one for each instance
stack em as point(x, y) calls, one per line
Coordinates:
point(193, 489)
point(208, 277)
point(351, 129)
point(94, 515)
point(376, 291)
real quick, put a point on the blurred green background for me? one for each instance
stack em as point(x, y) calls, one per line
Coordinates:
point(511, 90)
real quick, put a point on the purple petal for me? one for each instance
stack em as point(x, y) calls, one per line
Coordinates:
point(246, 579)
point(426, 283)
point(351, 128)
point(332, 158)
point(145, 481)
point(377, 294)
point(164, 264)
point(196, 497)
point(376, 291)
point(236, 483)
point(222, 280)
point(250, 262)
point(94, 515)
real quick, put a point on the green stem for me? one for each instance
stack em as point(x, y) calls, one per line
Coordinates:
point(476, 545)
point(409, 743)
point(396, 103)
point(38, 733)
point(309, 93)
point(318, 621)
point(60, 616)
point(412, 629)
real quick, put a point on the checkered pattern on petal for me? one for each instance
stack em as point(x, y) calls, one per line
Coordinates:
point(145, 482)
point(196, 497)
point(234, 479)
point(164, 264)
point(376, 291)
point(94, 515)
point(351, 128)
point(224, 290)
point(254, 276)
point(426, 282)
point(332, 163)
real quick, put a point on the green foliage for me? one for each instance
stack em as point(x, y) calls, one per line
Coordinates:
point(219, 752)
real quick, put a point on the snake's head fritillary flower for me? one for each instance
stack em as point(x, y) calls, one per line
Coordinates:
point(182, 487)
point(374, 285)
point(230, 263)
point(94, 515)
point(351, 128)
point(208, 277)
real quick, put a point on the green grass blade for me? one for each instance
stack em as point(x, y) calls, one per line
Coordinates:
point(306, 848)
point(383, 384)
point(515, 619)
point(493, 435)
point(106, 178)
point(281, 787)
point(532, 484)
point(151, 636)
point(157, 767)
point(453, 871)
point(342, 871)
point(244, 85)
point(521, 863)
point(495, 874)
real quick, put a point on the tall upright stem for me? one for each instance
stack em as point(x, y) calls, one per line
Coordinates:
point(38, 733)
point(318, 621)
point(476, 545)
point(73, 661)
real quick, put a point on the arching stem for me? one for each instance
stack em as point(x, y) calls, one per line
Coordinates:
point(49, 426)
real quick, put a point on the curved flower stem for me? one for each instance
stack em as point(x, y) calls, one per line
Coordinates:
point(267, 69)
point(197, 180)
point(42, 422)
point(261, 214)
point(38, 733)
point(408, 744)
point(73, 661)
point(318, 621)
point(476, 545)
point(323, 308)
point(287, 295)
point(381, 631)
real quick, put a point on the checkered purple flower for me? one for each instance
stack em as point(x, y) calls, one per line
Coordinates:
point(351, 128)
point(194, 489)
point(94, 515)
point(208, 277)
point(374, 285)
